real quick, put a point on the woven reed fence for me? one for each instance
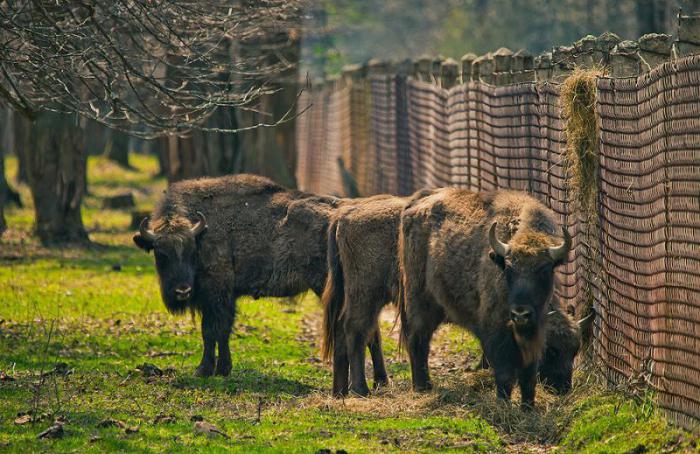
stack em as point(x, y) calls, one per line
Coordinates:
point(636, 256)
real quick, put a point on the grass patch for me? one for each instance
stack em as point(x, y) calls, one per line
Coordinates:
point(76, 324)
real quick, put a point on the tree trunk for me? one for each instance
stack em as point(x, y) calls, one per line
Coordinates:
point(160, 148)
point(57, 165)
point(187, 157)
point(21, 127)
point(3, 191)
point(117, 147)
point(95, 136)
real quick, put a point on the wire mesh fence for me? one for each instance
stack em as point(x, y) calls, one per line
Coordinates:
point(636, 258)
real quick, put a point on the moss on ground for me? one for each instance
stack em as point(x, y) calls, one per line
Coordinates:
point(96, 313)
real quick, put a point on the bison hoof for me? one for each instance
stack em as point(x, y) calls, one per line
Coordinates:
point(340, 393)
point(380, 382)
point(527, 407)
point(204, 370)
point(423, 387)
point(223, 370)
point(361, 391)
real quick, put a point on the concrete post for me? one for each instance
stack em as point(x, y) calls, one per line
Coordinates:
point(406, 68)
point(502, 61)
point(624, 60)
point(654, 49)
point(688, 35)
point(435, 68)
point(522, 67)
point(467, 61)
point(484, 68)
point(585, 49)
point(423, 68)
point(543, 67)
point(562, 62)
point(603, 46)
point(449, 73)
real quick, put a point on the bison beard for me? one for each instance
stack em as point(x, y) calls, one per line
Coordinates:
point(454, 267)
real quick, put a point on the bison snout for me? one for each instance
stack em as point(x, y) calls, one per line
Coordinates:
point(521, 315)
point(183, 292)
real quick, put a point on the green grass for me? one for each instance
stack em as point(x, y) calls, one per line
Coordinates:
point(71, 306)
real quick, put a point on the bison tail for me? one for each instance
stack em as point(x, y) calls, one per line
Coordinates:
point(333, 294)
point(401, 298)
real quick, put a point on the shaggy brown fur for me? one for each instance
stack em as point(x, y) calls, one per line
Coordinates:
point(563, 343)
point(448, 274)
point(261, 240)
point(362, 278)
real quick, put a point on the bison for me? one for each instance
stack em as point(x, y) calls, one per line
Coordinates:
point(215, 239)
point(363, 278)
point(485, 262)
point(562, 344)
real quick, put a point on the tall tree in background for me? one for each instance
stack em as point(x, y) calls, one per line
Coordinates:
point(105, 60)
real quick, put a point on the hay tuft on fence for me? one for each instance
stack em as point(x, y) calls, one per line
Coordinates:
point(578, 96)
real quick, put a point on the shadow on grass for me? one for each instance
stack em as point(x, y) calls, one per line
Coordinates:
point(246, 380)
point(80, 255)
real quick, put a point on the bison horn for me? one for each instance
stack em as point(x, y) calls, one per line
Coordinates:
point(145, 233)
point(585, 319)
point(559, 253)
point(200, 226)
point(498, 247)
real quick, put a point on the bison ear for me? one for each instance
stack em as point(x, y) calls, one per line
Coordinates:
point(143, 243)
point(498, 260)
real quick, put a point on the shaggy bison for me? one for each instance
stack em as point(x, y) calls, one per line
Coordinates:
point(215, 239)
point(485, 262)
point(362, 278)
point(563, 342)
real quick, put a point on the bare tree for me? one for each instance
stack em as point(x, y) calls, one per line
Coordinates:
point(164, 65)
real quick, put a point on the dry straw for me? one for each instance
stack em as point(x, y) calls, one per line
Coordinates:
point(578, 95)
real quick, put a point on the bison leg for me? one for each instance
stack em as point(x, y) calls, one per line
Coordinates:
point(356, 344)
point(340, 363)
point(528, 381)
point(375, 350)
point(223, 364)
point(206, 366)
point(505, 380)
point(418, 350)
point(421, 320)
point(484, 364)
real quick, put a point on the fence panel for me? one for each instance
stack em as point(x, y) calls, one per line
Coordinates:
point(650, 220)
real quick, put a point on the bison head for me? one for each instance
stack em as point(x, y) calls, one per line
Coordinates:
point(563, 343)
point(529, 277)
point(174, 245)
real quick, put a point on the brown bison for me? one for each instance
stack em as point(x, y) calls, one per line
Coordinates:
point(485, 262)
point(562, 344)
point(363, 278)
point(215, 239)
